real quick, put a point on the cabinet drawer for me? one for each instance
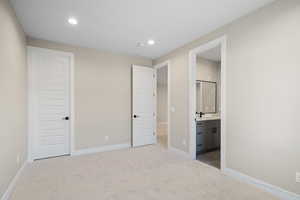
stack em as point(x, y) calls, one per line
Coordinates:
point(201, 129)
point(208, 135)
point(215, 123)
point(214, 130)
point(201, 123)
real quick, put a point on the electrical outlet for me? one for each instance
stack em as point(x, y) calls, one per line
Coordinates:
point(106, 138)
point(298, 177)
point(184, 142)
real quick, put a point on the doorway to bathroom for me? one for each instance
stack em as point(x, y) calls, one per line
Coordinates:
point(207, 103)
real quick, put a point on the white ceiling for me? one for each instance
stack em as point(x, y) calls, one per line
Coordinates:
point(212, 54)
point(118, 25)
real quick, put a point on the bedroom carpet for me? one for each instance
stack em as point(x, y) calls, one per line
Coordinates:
point(147, 173)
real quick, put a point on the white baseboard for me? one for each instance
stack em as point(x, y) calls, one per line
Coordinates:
point(100, 149)
point(276, 191)
point(180, 152)
point(12, 184)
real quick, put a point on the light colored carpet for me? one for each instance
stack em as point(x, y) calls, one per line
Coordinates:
point(147, 173)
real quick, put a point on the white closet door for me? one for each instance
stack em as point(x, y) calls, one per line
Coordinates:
point(50, 102)
point(143, 105)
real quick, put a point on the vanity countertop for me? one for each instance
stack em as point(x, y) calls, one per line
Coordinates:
point(207, 118)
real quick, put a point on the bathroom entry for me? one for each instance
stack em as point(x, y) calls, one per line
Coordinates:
point(162, 104)
point(208, 94)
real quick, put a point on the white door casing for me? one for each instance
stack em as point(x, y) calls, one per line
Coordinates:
point(222, 41)
point(143, 106)
point(50, 106)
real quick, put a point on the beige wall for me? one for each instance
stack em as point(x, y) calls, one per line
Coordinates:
point(13, 95)
point(262, 93)
point(208, 70)
point(102, 94)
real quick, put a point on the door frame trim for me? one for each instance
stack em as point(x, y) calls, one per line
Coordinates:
point(30, 110)
point(222, 41)
point(167, 64)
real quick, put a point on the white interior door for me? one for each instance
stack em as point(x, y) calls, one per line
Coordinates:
point(50, 102)
point(143, 106)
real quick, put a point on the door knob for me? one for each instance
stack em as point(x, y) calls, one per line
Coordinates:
point(135, 116)
point(66, 118)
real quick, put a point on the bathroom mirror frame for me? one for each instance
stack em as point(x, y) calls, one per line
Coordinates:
point(216, 94)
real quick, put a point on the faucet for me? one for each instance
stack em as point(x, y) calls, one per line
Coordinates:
point(200, 114)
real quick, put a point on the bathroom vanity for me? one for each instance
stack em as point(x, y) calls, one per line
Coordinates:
point(208, 117)
point(208, 135)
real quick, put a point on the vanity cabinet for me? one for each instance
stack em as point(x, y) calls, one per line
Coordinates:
point(208, 135)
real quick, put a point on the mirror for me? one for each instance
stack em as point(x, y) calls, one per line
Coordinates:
point(206, 96)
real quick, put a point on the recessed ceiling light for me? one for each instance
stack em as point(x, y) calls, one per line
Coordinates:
point(151, 42)
point(72, 21)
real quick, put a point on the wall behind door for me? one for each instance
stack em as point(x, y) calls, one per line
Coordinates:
point(13, 99)
point(102, 94)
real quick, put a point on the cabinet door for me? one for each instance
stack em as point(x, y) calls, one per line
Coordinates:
point(200, 142)
point(208, 140)
point(216, 137)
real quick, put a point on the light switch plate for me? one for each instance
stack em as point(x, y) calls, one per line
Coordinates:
point(298, 177)
point(172, 109)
